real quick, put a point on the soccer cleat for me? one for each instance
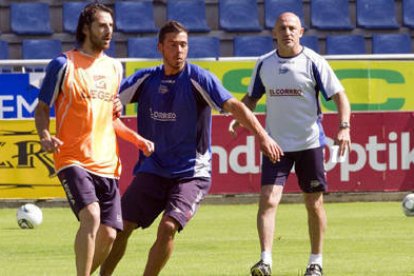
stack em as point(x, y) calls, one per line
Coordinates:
point(313, 270)
point(261, 269)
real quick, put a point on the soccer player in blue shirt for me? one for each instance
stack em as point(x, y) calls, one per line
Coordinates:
point(174, 111)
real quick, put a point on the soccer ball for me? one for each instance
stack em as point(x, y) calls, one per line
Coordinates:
point(408, 205)
point(29, 216)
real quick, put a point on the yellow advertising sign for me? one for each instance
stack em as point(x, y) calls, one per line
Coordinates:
point(25, 170)
point(371, 85)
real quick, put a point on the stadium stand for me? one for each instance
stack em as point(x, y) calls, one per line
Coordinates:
point(273, 8)
point(41, 48)
point(143, 47)
point(30, 18)
point(203, 47)
point(391, 44)
point(112, 49)
point(345, 45)
point(376, 14)
point(252, 46)
point(239, 16)
point(70, 15)
point(224, 19)
point(4, 49)
point(135, 17)
point(330, 15)
point(192, 13)
point(310, 41)
point(408, 13)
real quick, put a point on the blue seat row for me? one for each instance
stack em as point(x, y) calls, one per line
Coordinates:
point(33, 18)
point(243, 46)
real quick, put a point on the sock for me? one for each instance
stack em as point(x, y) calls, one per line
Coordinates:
point(266, 257)
point(315, 259)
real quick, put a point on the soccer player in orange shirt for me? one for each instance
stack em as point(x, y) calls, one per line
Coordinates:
point(82, 84)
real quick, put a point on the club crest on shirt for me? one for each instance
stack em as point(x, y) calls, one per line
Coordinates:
point(163, 89)
point(283, 70)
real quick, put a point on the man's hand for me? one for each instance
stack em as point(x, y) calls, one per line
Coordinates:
point(146, 146)
point(233, 127)
point(117, 111)
point(343, 140)
point(50, 143)
point(270, 148)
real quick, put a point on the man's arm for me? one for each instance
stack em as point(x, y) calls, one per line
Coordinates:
point(42, 121)
point(131, 136)
point(343, 137)
point(244, 116)
point(251, 104)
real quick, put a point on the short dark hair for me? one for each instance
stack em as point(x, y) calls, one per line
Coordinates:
point(171, 27)
point(87, 16)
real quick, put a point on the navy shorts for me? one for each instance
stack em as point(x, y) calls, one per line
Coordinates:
point(309, 168)
point(149, 195)
point(83, 188)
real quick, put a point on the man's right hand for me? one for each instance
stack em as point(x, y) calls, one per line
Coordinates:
point(50, 143)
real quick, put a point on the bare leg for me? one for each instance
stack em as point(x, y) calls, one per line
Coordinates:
point(270, 196)
point(317, 221)
point(162, 248)
point(103, 245)
point(118, 249)
point(89, 218)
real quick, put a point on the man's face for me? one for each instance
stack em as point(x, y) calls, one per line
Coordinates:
point(288, 31)
point(99, 33)
point(174, 50)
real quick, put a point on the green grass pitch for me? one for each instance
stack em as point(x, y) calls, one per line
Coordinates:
point(367, 238)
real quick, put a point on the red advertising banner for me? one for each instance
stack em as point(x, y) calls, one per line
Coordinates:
point(381, 159)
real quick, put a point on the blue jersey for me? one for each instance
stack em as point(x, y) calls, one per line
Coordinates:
point(175, 113)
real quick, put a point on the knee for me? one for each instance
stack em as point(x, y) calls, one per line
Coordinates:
point(167, 228)
point(269, 200)
point(108, 234)
point(89, 216)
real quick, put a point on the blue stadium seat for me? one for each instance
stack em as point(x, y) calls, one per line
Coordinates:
point(252, 46)
point(239, 16)
point(41, 48)
point(70, 14)
point(408, 13)
point(111, 51)
point(143, 47)
point(273, 8)
point(135, 17)
point(203, 47)
point(191, 13)
point(311, 42)
point(391, 44)
point(30, 19)
point(345, 45)
point(376, 14)
point(330, 15)
point(4, 49)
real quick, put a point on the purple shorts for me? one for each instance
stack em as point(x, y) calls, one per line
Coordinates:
point(309, 168)
point(148, 195)
point(83, 188)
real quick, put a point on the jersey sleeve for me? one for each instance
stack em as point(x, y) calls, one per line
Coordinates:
point(130, 86)
point(210, 88)
point(256, 88)
point(326, 80)
point(55, 72)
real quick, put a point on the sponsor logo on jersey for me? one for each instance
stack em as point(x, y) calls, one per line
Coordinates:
point(163, 116)
point(285, 92)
